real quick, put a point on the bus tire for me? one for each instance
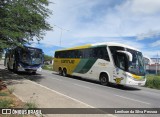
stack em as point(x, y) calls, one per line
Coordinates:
point(15, 69)
point(64, 72)
point(8, 67)
point(104, 79)
point(34, 73)
point(60, 72)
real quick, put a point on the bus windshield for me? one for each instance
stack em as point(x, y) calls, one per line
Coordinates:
point(31, 56)
point(136, 66)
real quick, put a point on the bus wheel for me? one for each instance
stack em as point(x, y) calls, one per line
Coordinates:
point(60, 72)
point(104, 79)
point(34, 73)
point(8, 67)
point(15, 69)
point(64, 72)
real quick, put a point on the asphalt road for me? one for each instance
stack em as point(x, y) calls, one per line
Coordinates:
point(96, 95)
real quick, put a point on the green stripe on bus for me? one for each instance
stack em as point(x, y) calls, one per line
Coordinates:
point(80, 65)
point(85, 65)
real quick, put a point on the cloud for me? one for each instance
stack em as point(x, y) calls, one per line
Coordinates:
point(149, 34)
point(154, 44)
point(139, 16)
point(140, 7)
point(104, 18)
point(91, 40)
point(147, 7)
point(151, 53)
point(100, 20)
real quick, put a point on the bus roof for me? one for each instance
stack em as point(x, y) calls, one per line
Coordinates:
point(101, 44)
point(115, 44)
point(33, 48)
point(25, 47)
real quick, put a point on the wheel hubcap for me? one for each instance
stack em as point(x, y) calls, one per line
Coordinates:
point(104, 79)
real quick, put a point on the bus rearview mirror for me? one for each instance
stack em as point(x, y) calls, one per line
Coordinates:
point(126, 53)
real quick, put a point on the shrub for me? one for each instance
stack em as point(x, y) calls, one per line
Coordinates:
point(5, 103)
point(30, 105)
point(3, 94)
point(153, 81)
point(47, 67)
point(11, 90)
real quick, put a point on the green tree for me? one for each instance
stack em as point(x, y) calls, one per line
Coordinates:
point(23, 20)
point(48, 58)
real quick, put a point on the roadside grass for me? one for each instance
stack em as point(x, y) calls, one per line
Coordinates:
point(6, 103)
point(48, 67)
point(11, 90)
point(8, 100)
point(153, 81)
point(30, 105)
point(3, 94)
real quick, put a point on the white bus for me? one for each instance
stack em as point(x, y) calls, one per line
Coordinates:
point(105, 62)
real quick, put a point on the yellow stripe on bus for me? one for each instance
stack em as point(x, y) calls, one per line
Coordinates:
point(78, 47)
point(136, 77)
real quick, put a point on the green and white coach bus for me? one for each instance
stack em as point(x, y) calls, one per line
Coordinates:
point(106, 62)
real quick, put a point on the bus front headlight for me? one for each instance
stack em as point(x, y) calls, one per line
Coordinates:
point(130, 76)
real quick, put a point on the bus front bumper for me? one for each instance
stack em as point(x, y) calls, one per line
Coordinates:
point(131, 81)
point(29, 69)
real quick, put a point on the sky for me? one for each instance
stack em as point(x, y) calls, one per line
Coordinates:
point(77, 22)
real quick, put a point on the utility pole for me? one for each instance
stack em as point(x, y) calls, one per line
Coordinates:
point(62, 29)
point(156, 63)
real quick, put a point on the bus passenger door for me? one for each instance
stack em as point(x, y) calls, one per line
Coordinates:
point(11, 60)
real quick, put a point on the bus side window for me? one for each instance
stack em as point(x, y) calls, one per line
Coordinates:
point(101, 52)
point(94, 53)
point(87, 53)
point(12, 55)
point(71, 54)
point(77, 53)
point(80, 54)
point(63, 54)
point(56, 55)
point(105, 54)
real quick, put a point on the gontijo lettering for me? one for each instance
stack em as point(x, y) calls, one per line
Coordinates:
point(67, 61)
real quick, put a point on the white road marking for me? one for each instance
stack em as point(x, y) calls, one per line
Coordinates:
point(57, 79)
point(89, 106)
point(132, 99)
point(82, 86)
point(62, 94)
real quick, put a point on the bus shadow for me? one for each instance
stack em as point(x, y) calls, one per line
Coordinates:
point(126, 88)
point(111, 85)
point(33, 77)
point(10, 77)
point(6, 75)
